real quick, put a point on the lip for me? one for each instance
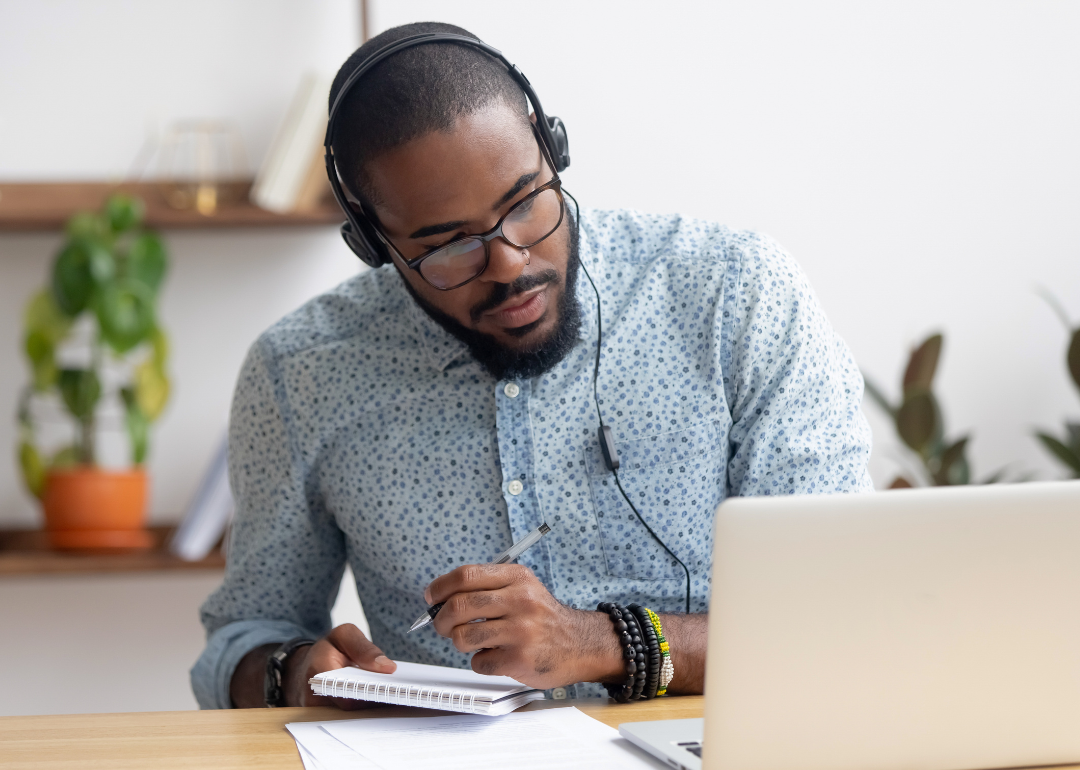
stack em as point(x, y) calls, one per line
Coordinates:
point(522, 309)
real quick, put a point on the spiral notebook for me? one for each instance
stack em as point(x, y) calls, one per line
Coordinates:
point(437, 687)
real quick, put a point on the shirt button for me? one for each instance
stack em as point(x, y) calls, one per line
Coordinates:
point(515, 487)
point(511, 389)
point(559, 693)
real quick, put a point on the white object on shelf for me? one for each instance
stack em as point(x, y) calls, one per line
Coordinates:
point(296, 147)
point(210, 511)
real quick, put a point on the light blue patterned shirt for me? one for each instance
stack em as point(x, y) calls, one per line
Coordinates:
point(362, 431)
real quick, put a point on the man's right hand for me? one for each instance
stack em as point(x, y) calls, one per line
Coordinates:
point(345, 646)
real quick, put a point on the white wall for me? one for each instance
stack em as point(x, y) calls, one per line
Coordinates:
point(77, 644)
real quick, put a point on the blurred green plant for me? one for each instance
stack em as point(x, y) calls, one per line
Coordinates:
point(109, 271)
point(1067, 451)
point(921, 425)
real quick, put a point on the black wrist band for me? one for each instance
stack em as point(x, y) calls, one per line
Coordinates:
point(652, 654)
point(274, 680)
point(633, 651)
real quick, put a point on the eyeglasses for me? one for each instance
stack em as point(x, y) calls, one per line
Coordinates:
point(527, 223)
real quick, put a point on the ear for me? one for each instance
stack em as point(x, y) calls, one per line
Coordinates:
point(532, 117)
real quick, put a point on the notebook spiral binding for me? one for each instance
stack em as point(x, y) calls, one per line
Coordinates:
point(402, 695)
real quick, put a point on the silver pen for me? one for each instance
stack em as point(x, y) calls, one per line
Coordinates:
point(508, 555)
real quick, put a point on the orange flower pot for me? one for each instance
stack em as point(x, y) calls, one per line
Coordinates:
point(87, 508)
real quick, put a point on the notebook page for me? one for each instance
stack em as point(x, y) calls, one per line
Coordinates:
point(548, 739)
point(437, 677)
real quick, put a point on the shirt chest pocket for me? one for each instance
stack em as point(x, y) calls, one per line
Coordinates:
point(675, 481)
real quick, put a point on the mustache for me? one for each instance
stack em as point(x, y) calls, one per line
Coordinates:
point(504, 291)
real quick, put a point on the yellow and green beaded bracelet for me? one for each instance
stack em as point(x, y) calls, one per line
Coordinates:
point(667, 669)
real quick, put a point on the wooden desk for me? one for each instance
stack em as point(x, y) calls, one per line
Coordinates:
point(222, 740)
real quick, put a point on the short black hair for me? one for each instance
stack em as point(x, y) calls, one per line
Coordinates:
point(416, 91)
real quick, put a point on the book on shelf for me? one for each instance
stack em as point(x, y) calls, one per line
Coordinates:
point(209, 513)
point(293, 175)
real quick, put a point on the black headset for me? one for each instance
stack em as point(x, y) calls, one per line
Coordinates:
point(363, 237)
point(368, 242)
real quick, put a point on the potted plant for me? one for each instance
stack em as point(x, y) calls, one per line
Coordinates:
point(93, 341)
point(1066, 449)
point(920, 423)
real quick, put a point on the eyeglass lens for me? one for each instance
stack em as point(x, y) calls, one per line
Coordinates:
point(524, 226)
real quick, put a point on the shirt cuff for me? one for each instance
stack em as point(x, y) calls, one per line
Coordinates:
point(212, 673)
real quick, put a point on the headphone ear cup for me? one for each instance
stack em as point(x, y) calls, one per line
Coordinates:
point(561, 150)
point(369, 253)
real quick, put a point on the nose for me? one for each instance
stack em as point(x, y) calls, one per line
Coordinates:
point(505, 264)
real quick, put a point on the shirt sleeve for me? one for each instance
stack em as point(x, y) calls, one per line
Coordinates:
point(794, 390)
point(286, 553)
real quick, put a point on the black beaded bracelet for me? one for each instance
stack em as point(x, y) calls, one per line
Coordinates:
point(652, 650)
point(629, 632)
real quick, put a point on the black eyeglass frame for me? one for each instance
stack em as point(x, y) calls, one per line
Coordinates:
point(495, 232)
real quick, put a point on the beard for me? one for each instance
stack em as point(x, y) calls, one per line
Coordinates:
point(502, 362)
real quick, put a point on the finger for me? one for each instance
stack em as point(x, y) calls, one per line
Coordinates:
point(324, 656)
point(359, 650)
point(475, 577)
point(496, 662)
point(470, 637)
point(463, 608)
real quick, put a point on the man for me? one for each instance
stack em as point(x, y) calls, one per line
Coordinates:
point(423, 416)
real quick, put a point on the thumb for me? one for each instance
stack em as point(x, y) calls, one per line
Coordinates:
point(351, 641)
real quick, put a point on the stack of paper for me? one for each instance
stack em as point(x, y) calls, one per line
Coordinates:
point(548, 739)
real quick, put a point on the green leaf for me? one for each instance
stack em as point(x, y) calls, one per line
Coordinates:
point(147, 261)
point(151, 389)
point(68, 457)
point(959, 473)
point(1072, 430)
point(33, 469)
point(88, 226)
point(877, 396)
point(160, 341)
point(922, 365)
point(125, 312)
point(138, 426)
point(72, 281)
point(43, 316)
point(1073, 357)
point(80, 390)
point(102, 264)
point(123, 212)
point(41, 352)
point(954, 469)
point(1062, 452)
point(916, 420)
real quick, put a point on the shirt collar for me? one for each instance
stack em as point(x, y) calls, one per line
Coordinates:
point(440, 347)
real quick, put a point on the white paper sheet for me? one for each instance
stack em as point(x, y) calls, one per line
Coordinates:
point(548, 739)
point(324, 751)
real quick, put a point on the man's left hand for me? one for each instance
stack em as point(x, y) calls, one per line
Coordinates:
point(524, 633)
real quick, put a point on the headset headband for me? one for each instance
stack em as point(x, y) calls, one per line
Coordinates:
point(360, 234)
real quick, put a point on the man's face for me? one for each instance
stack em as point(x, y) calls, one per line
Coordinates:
point(443, 185)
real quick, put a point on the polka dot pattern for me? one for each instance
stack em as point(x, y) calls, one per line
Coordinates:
point(361, 431)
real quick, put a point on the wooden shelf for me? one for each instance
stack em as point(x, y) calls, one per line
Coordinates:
point(43, 206)
point(27, 552)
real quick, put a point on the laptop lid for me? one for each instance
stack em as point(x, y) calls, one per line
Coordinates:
point(934, 628)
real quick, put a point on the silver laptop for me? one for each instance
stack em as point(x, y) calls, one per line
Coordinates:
point(933, 629)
